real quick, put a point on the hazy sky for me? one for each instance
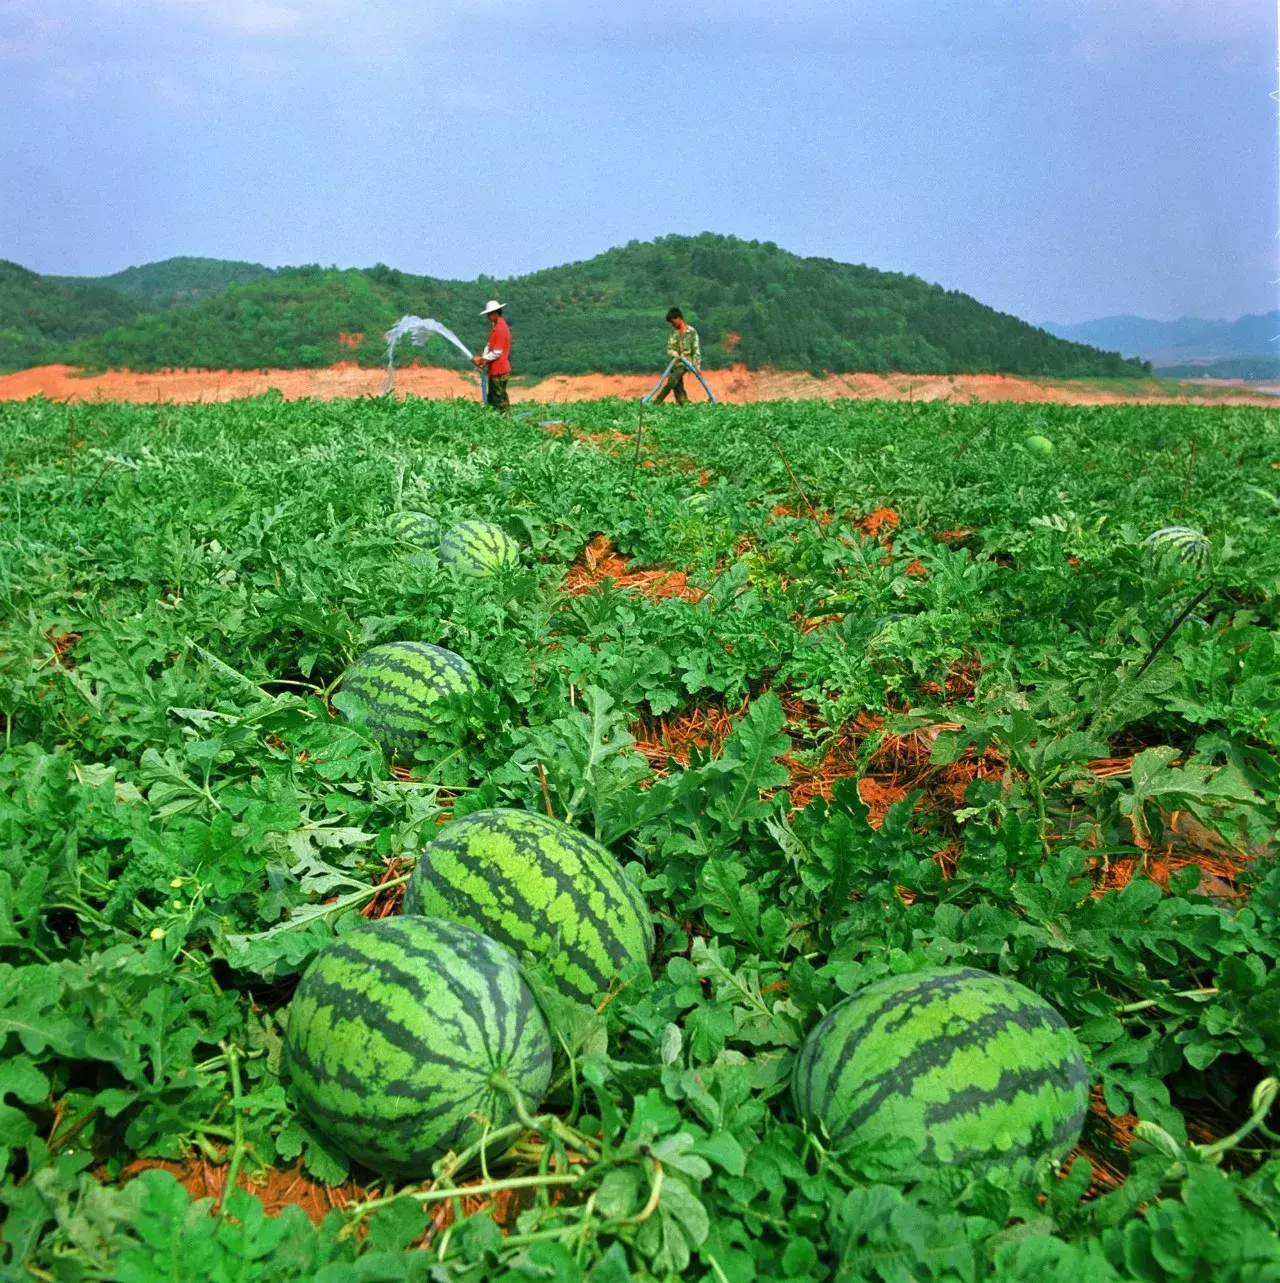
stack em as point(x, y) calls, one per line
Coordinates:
point(1059, 159)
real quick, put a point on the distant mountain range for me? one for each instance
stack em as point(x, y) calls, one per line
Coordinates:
point(751, 301)
point(1182, 343)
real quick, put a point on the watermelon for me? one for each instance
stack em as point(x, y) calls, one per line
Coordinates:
point(970, 1069)
point(1040, 445)
point(1184, 542)
point(478, 547)
point(416, 528)
point(526, 879)
point(399, 681)
point(395, 1033)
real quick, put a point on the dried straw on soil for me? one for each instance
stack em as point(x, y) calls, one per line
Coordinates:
point(599, 561)
point(387, 902)
point(276, 1189)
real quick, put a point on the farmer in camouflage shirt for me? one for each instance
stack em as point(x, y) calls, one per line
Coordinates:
point(683, 343)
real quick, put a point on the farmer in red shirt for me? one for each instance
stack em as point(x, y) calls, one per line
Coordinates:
point(495, 360)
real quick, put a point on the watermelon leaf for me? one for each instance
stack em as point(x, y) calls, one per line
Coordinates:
point(748, 765)
point(1219, 796)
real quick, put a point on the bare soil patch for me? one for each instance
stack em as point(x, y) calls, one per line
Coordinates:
point(735, 385)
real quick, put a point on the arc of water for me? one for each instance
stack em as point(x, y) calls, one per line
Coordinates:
point(419, 328)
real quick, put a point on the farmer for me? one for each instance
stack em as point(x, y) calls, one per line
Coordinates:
point(683, 345)
point(495, 360)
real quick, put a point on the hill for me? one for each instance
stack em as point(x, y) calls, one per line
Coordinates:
point(1170, 343)
point(174, 281)
point(39, 316)
point(751, 301)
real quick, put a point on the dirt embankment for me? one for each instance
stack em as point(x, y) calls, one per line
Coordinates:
point(736, 385)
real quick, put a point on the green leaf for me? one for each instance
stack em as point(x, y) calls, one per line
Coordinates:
point(677, 1151)
point(30, 1009)
point(1216, 796)
point(723, 1149)
point(748, 765)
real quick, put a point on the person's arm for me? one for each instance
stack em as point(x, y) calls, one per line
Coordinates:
point(695, 351)
point(673, 343)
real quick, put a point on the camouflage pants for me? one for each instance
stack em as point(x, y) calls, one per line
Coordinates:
point(674, 383)
point(497, 395)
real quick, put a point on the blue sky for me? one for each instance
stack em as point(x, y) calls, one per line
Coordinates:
point(1058, 159)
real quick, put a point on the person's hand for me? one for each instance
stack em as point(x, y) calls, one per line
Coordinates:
point(477, 360)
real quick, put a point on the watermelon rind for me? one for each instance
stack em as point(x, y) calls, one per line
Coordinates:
point(478, 548)
point(399, 681)
point(963, 1067)
point(539, 886)
point(1184, 542)
point(396, 1033)
point(418, 529)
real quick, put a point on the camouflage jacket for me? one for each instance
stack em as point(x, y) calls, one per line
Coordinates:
point(685, 343)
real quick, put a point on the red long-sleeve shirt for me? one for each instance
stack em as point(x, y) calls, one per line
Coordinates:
point(497, 351)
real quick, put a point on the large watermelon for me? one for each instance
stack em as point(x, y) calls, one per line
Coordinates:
point(968, 1067)
point(525, 879)
point(478, 547)
point(416, 528)
point(396, 1032)
point(399, 681)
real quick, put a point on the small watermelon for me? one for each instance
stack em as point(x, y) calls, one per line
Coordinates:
point(971, 1069)
point(526, 879)
point(478, 547)
point(396, 1032)
point(416, 528)
point(399, 681)
point(1183, 542)
point(1039, 445)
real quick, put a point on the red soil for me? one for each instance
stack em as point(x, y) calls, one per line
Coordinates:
point(738, 384)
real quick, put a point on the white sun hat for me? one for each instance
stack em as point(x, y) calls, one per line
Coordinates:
point(491, 306)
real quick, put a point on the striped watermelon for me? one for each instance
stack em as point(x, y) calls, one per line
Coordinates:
point(478, 547)
point(416, 528)
point(1187, 544)
point(525, 879)
point(972, 1069)
point(395, 1032)
point(399, 681)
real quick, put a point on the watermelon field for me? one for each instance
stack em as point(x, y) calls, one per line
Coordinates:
point(779, 842)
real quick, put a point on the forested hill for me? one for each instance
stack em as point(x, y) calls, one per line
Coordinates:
point(40, 316)
point(751, 302)
point(156, 286)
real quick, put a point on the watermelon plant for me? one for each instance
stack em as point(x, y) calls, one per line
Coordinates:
point(847, 690)
point(398, 682)
point(539, 886)
point(411, 1038)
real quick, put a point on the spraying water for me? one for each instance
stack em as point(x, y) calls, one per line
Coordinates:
point(420, 328)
